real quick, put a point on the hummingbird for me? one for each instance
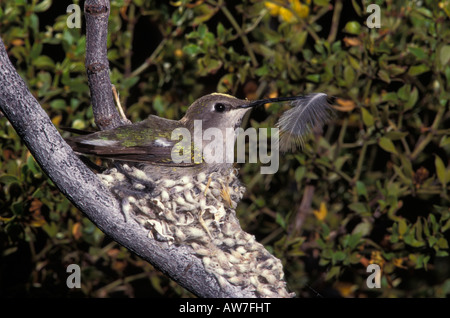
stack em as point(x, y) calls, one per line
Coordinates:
point(145, 154)
point(150, 141)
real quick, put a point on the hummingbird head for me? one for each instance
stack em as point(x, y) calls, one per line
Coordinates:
point(216, 111)
point(213, 119)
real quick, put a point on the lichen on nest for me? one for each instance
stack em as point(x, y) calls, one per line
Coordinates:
point(199, 211)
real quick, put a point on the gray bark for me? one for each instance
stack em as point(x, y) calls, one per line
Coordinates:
point(97, 65)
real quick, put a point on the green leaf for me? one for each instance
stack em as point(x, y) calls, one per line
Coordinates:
point(395, 70)
point(58, 104)
point(18, 208)
point(338, 256)
point(226, 83)
point(69, 38)
point(220, 31)
point(313, 78)
point(387, 145)
point(8, 179)
point(158, 104)
point(207, 13)
point(263, 70)
point(361, 189)
point(298, 40)
point(418, 69)
point(192, 49)
point(349, 75)
point(434, 225)
point(202, 30)
point(129, 82)
point(402, 227)
point(445, 141)
point(362, 229)
point(355, 63)
point(339, 162)
point(408, 95)
point(322, 3)
point(358, 207)
point(34, 167)
point(299, 173)
point(418, 52)
point(395, 135)
point(404, 92)
point(367, 117)
point(36, 50)
point(323, 262)
point(390, 97)
point(43, 6)
point(441, 171)
point(442, 243)
point(412, 100)
point(432, 241)
point(446, 226)
point(406, 166)
point(444, 55)
point(402, 176)
point(208, 66)
point(280, 220)
point(334, 271)
point(384, 76)
point(44, 62)
point(356, 7)
point(325, 229)
point(411, 241)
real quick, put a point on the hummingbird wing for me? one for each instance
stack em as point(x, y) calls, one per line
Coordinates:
point(148, 141)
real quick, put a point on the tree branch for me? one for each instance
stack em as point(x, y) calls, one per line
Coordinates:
point(85, 190)
point(97, 65)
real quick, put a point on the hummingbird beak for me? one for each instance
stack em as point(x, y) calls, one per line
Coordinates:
point(261, 102)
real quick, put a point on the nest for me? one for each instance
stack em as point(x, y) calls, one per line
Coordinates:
point(199, 211)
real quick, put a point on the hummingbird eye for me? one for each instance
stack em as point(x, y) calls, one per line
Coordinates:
point(219, 107)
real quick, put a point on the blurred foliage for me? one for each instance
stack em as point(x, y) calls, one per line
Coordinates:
point(372, 188)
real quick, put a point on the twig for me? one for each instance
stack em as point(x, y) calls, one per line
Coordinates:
point(130, 30)
point(149, 61)
point(305, 207)
point(97, 65)
point(238, 29)
point(362, 156)
point(335, 21)
point(420, 146)
point(118, 103)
